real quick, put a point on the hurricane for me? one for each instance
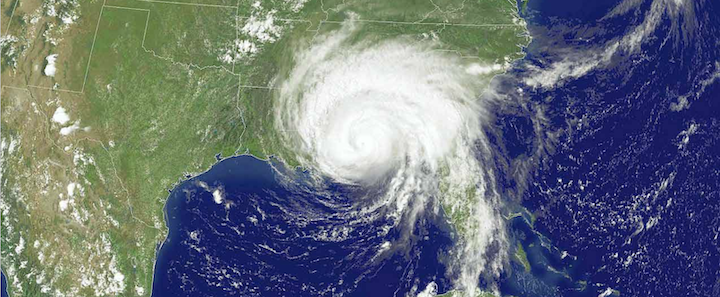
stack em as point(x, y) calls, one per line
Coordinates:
point(406, 117)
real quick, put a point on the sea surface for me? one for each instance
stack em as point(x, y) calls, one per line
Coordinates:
point(3, 291)
point(274, 236)
point(612, 172)
point(628, 184)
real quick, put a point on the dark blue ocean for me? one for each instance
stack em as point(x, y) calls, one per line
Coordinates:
point(274, 237)
point(3, 290)
point(627, 182)
point(615, 173)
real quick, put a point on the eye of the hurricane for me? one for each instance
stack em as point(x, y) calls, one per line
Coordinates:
point(363, 113)
point(363, 138)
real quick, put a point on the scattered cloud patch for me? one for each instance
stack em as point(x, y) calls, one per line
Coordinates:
point(262, 27)
point(60, 116)
point(682, 103)
point(606, 293)
point(477, 69)
point(573, 66)
point(218, 193)
point(71, 189)
point(70, 129)
point(218, 196)
point(63, 204)
point(685, 135)
point(50, 67)
point(430, 290)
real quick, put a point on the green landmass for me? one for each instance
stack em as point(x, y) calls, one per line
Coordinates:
point(152, 98)
point(521, 257)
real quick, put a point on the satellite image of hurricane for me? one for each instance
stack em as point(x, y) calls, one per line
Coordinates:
point(360, 148)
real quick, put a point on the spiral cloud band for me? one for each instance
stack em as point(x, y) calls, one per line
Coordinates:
point(399, 113)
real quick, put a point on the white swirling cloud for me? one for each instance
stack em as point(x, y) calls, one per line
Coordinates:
point(402, 115)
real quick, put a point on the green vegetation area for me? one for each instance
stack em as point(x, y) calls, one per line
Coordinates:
point(154, 102)
point(521, 257)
